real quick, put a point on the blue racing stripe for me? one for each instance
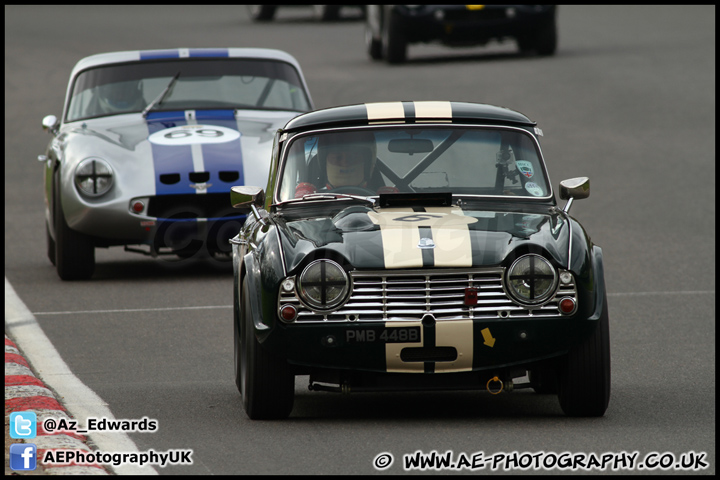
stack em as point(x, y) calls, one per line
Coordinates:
point(155, 54)
point(221, 157)
point(170, 158)
point(209, 52)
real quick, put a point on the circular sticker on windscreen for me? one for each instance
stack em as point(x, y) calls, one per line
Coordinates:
point(194, 134)
point(534, 189)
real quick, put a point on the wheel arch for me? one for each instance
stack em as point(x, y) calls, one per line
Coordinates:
point(598, 270)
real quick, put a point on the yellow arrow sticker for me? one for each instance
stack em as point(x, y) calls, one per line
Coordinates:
point(487, 336)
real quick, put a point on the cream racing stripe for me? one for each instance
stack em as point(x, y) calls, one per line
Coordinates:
point(451, 236)
point(458, 334)
point(392, 351)
point(400, 247)
point(400, 233)
point(452, 247)
point(385, 111)
point(397, 238)
point(432, 110)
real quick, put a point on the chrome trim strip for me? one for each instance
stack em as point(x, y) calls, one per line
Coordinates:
point(566, 216)
point(282, 252)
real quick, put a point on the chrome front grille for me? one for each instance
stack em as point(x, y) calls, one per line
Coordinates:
point(411, 294)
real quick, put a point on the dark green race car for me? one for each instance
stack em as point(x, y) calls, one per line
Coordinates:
point(416, 246)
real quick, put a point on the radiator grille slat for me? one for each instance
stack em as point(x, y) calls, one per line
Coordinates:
point(410, 295)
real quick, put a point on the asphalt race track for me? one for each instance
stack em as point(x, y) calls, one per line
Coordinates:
point(628, 100)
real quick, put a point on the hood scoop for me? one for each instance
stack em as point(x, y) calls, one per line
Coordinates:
point(354, 219)
point(170, 178)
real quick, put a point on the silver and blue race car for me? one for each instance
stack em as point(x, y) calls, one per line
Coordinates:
point(149, 144)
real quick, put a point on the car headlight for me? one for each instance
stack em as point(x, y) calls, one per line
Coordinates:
point(93, 177)
point(323, 285)
point(531, 279)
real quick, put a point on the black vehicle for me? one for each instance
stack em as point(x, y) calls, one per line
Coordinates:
point(389, 29)
point(416, 246)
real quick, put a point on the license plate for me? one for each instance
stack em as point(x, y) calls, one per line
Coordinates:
point(383, 335)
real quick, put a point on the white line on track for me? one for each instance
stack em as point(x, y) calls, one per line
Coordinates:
point(77, 398)
point(133, 310)
point(645, 294)
point(210, 307)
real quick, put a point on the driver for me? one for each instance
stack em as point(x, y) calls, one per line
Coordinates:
point(121, 97)
point(346, 160)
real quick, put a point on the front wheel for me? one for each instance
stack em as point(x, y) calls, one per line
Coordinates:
point(50, 245)
point(584, 376)
point(74, 251)
point(267, 384)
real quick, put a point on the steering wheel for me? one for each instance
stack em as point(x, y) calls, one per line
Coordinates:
point(353, 190)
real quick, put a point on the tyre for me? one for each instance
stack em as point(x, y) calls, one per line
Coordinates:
point(546, 39)
point(542, 41)
point(394, 42)
point(50, 245)
point(327, 13)
point(585, 374)
point(74, 251)
point(373, 45)
point(262, 13)
point(267, 384)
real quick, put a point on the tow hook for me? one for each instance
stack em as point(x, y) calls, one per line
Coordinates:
point(495, 385)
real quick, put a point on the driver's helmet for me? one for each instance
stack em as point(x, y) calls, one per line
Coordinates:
point(348, 158)
point(120, 96)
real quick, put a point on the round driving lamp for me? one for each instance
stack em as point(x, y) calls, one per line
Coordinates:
point(531, 279)
point(323, 285)
point(93, 177)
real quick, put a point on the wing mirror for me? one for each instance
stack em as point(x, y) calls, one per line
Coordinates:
point(248, 199)
point(50, 123)
point(574, 189)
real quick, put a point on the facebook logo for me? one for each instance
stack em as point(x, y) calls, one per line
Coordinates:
point(23, 425)
point(23, 456)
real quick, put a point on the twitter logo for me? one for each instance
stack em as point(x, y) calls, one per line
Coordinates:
point(23, 425)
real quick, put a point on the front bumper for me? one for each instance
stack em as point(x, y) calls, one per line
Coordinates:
point(169, 222)
point(456, 24)
point(427, 346)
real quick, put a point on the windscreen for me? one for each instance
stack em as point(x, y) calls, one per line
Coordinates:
point(226, 83)
point(461, 160)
